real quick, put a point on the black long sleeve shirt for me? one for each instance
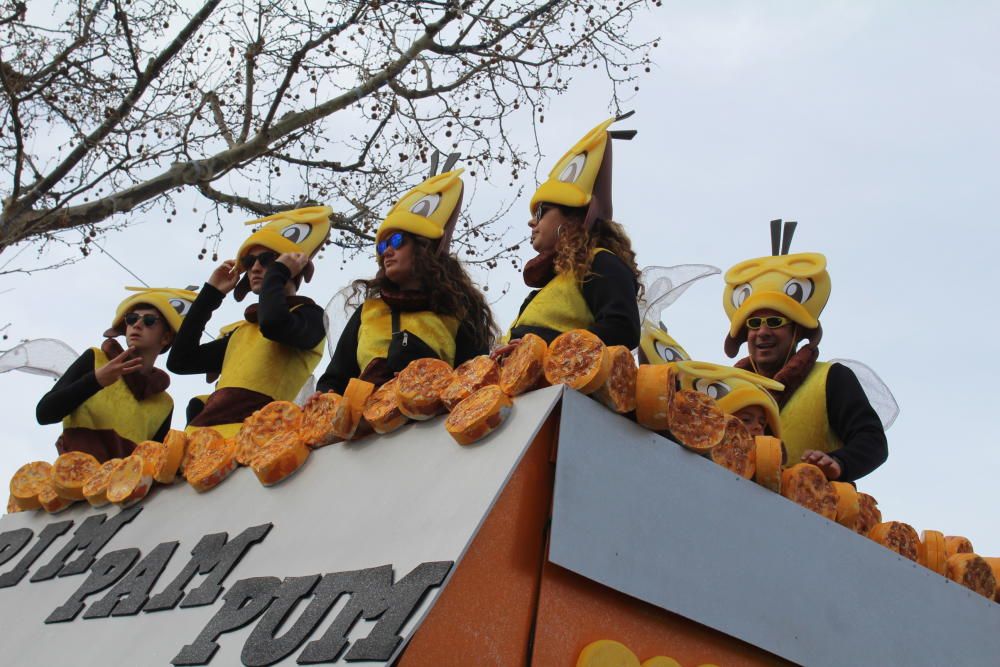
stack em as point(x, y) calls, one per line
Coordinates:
point(344, 364)
point(72, 390)
point(610, 293)
point(301, 327)
point(853, 420)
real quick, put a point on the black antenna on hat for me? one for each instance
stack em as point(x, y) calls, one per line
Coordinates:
point(775, 236)
point(450, 163)
point(435, 156)
point(786, 241)
point(624, 135)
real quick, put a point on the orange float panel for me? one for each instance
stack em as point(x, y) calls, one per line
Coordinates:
point(175, 445)
point(488, 606)
point(899, 537)
point(848, 504)
point(932, 551)
point(212, 464)
point(317, 419)
point(274, 418)
point(956, 544)
point(868, 514)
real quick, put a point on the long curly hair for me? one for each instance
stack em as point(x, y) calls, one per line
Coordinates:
point(448, 287)
point(574, 250)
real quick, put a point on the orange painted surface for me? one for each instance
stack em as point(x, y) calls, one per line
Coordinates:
point(485, 614)
point(574, 611)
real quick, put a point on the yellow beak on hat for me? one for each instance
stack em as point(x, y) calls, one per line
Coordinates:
point(428, 209)
point(732, 388)
point(571, 181)
point(301, 230)
point(173, 305)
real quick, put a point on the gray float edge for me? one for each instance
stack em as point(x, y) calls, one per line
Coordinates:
point(640, 514)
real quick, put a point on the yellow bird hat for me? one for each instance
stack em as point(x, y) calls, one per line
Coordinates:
point(656, 346)
point(582, 177)
point(797, 286)
point(732, 388)
point(172, 303)
point(432, 208)
point(300, 230)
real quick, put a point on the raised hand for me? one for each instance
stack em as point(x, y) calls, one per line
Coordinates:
point(225, 276)
point(121, 365)
point(295, 261)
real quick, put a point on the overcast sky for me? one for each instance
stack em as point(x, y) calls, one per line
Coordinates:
point(872, 124)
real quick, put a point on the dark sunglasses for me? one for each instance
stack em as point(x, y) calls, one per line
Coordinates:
point(541, 210)
point(148, 319)
point(265, 259)
point(771, 322)
point(395, 241)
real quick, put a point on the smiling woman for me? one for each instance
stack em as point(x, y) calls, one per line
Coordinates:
point(109, 399)
point(421, 303)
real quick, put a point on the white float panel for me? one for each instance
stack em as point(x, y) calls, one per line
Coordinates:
point(403, 499)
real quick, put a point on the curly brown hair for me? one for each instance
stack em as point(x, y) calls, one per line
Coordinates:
point(574, 250)
point(450, 290)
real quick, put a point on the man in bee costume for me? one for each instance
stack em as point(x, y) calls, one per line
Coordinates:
point(773, 303)
point(111, 398)
point(270, 354)
point(421, 303)
point(585, 273)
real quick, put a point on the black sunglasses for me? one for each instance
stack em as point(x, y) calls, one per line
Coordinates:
point(265, 259)
point(148, 319)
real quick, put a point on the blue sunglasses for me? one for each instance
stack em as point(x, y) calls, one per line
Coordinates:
point(395, 240)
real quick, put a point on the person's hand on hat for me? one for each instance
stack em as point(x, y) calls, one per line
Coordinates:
point(829, 465)
point(295, 261)
point(503, 350)
point(225, 276)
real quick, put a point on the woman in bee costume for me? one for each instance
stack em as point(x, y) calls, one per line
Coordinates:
point(585, 275)
point(270, 354)
point(421, 302)
point(773, 304)
point(111, 398)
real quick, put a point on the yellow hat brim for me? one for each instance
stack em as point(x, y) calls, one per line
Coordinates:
point(772, 301)
point(268, 238)
point(159, 300)
point(744, 397)
point(557, 192)
point(408, 222)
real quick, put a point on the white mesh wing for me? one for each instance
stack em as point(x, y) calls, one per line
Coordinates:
point(42, 356)
point(335, 317)
point(665, 284)
point(877, 391)
point(308, 389)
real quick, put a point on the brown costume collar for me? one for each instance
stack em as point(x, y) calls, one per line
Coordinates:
point(539, 270)
point(792, 374)
point(141, 386)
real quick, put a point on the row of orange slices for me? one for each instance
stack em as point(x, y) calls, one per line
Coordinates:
point(277, 440)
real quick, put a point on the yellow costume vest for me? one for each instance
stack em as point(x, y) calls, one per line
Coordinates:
point(116, 408)
point(274, 369)
point(375, 334)
point(804, 422)
point(559, 305)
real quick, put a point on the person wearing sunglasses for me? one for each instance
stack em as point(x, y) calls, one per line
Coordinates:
point(111, 398)
point(585, 274)
point(421, 303)
point(774, 304)
point(271, 353)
